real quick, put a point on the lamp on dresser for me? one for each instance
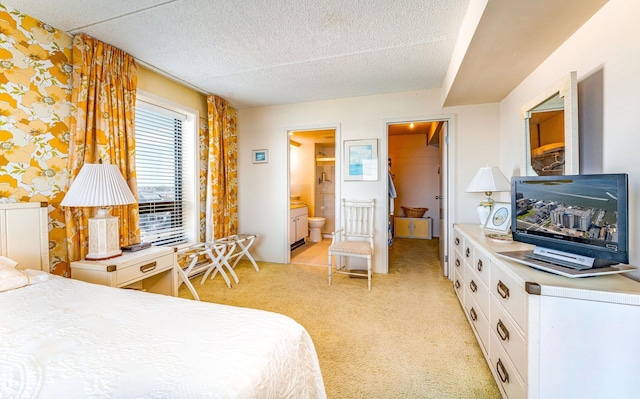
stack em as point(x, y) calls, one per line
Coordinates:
point(487, 180)
point(100, 185)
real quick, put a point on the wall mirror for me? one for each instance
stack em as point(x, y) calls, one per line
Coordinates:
point(551, 130)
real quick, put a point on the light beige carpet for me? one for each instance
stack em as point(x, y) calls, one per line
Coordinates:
point(406, 338)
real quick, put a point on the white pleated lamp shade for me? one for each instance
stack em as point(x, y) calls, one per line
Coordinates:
point(488, 179)
point(98, 185)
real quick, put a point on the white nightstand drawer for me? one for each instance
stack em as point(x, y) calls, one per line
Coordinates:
point(150, 269)
point(142, 269)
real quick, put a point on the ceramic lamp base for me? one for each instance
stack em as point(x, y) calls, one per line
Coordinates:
point(104, 238)
point(483, 213)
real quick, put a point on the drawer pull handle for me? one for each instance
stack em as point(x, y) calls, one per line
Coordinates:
point(467, 252)
point(503, 290)
point(148, 267)
point(473, 314)
point(457, 284)
point(457, 262)
point(473, 285)
point(502, 372)
point(457, 241)
point(502, 331)
point(479, 265)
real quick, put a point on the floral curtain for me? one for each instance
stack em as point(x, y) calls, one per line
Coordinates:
point(102, 128)
point(222, 173)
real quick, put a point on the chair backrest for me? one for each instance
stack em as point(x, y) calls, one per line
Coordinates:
point(357, 218)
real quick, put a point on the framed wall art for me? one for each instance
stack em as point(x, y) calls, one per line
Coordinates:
point(260, 156)
point(361, 159)
point(499, 219)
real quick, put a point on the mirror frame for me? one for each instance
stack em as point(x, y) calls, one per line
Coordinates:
point(567, 89)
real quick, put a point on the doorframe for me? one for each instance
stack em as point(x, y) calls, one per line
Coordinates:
point(449, 148)
point(338, 171)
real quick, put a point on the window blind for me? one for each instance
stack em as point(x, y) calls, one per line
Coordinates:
point(159, 175)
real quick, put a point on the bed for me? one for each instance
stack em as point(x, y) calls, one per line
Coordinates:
point(63, 338)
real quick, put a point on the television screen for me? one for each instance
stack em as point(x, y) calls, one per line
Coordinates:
point(579, 214)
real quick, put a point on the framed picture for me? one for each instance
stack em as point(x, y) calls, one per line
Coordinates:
point(499, 219)
point(260, 156)
point(361, 159)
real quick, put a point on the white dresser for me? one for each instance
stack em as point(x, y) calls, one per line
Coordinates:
point(547, 336)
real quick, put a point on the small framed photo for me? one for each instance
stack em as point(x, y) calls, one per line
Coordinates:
point(361, 159)
point(260, 156)
point(499, 219)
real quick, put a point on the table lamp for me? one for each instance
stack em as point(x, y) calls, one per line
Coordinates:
point(488, 180)
point(100, 185)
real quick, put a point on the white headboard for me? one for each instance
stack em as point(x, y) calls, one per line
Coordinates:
point(24, 234)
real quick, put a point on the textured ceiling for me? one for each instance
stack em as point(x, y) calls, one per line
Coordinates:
point(268, 52)
point(259, 52)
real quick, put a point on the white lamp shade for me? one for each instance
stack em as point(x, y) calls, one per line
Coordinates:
point(488, 179)
point(98, 185)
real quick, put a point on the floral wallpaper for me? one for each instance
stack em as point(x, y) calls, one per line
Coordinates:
point(35, 108)
point(35, 94)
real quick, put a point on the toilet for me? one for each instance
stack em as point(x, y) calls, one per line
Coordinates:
point(315, 224)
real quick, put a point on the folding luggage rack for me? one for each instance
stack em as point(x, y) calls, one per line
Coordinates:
point(211, 258)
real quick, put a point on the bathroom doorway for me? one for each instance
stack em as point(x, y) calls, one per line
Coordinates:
point(416, 153)
point(312, 186)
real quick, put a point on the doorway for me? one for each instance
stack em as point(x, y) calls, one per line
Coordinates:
point(313, 186)
point(418, 165)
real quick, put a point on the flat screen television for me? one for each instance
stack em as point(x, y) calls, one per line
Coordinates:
point(576, 221)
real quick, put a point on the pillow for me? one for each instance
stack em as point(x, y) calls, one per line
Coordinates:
point(11, 278)
point(36, 276)
point(4, 261)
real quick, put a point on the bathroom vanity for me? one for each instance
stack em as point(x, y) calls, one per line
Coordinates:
point(298, 225)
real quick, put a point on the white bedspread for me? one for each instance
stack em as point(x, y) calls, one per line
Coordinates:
point(68, 339)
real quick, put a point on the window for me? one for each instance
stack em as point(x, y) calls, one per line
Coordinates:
point(164, 173)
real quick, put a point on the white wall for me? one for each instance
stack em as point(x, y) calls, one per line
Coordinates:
point(607, 46)
point(262, 188)
point(302, 173)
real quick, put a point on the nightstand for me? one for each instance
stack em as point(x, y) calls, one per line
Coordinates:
point(151, 270)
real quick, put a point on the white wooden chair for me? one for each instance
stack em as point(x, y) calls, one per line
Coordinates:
point(354, 238)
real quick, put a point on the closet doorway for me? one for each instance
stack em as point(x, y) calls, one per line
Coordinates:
point(417, 166)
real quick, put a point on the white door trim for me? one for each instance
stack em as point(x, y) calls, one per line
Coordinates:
point(338, 166)
point(449, 216)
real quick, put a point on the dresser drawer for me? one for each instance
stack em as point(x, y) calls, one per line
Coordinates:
point(141, 269)
point(458, 285)
point(510, 295)
point(477, 290)
point(478, 320)
point(458, 241)
point(468, 250)
point(458, 263)
point(505, 371)
point(507, 334)
point(481, 266)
